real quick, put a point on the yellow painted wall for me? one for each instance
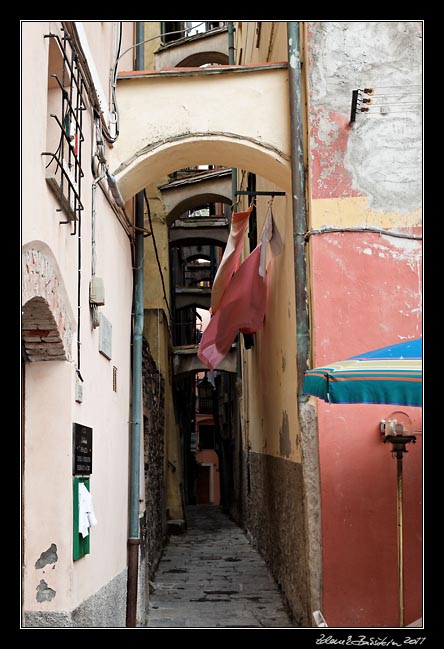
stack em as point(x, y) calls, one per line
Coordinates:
point(269, 406)
point(153, 291)
point(157, 333)
point(260, 42)
point(353, 211)
point(152, 31)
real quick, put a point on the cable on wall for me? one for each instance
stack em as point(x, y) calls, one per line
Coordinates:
point(157, 255)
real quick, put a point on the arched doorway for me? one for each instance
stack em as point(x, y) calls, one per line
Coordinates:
point(47, 327)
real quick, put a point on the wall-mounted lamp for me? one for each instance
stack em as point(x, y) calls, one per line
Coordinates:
point(397, 431)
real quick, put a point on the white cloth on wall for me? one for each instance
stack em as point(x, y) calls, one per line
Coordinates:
point(87, 517)
point(270, 234)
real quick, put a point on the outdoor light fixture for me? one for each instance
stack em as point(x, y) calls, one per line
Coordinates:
point(397, 431)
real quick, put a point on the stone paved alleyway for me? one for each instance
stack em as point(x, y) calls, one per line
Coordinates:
point(212, 577)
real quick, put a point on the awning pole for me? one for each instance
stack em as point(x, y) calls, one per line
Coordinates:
point(400, 542)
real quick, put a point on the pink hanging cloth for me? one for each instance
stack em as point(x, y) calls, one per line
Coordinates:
point(230, 259)
point(241, 308)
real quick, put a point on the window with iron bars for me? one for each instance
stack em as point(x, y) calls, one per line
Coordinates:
point(65, 127)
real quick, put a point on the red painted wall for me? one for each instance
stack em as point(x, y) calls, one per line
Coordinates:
point(208, 457)
point(366, 294)
point(358, 491)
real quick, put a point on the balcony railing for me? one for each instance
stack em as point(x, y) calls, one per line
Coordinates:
point(205, 405)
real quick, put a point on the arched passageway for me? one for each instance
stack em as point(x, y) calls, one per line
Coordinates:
point(233, 116)
point(195, 191)
point(223, 116)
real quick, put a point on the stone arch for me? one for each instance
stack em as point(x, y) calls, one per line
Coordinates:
point(199, 255)
point(194, 203)
point(198, 59)
point(224, 149)
point(204, 237)
point(47, 319)
point(194, 51)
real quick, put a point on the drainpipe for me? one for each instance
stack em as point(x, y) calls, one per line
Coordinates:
point(136, 404)
point(306, 410)
point(299, 211)
point(231, 62)
point(238, 384)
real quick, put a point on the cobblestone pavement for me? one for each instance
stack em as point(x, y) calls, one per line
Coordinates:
point(212, 577)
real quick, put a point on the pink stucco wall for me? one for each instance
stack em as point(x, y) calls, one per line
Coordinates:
point(358, 491)
point(210, 457)
point(366, 294)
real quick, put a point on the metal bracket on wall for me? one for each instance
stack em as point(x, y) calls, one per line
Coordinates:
point(357, 101)
point(245, 193)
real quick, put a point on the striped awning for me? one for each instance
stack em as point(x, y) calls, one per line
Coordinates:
point(391, 375)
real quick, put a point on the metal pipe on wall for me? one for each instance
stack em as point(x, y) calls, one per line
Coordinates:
point(136, 396)
point(230, 27)
point(306, 412)
point(299, 209)
point(237, 413)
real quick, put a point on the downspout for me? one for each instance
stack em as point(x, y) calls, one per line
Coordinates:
point(298, 199)
point(230, 27)
point(136, 404)
point(306, 410)
point(238, 384)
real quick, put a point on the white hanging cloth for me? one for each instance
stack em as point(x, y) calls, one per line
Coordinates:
point(270, 234)
point(87, 517)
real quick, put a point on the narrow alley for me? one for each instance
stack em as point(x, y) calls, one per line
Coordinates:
point(221, 324)
point(212, 577)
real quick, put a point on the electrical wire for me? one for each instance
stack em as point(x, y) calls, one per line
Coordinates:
point(114, 82)
point(388, 233)
point(157, 254)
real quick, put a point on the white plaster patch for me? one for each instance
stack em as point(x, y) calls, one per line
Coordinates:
point(383, 155)
point(405, 250)
point(349, 55)
point(367, 251)
point(384, 159)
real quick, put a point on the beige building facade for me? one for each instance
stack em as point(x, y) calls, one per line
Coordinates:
point(76, 365)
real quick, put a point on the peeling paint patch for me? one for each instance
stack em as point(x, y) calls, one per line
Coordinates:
point(382, 157)
point(284, 436)
point(44, 592)
point(367, 251)
point(49, 556)
point(329, 136)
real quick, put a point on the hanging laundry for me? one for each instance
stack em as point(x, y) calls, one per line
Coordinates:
point(270, 234)
point(241, 308)
point(230, 259)
point(87, 517)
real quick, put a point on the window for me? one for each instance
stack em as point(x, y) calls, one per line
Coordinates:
point(206, 436)
point(64, 136)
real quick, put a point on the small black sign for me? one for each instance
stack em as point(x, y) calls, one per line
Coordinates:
point(82, 449)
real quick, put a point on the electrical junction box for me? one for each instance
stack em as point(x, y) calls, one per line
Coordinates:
point(79, 391)
point(97, 291)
